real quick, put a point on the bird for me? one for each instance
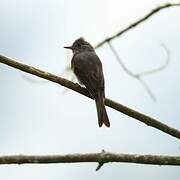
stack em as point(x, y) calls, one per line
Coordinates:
point(88, 69)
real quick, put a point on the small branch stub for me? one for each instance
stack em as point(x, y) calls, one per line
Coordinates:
point(100, 162)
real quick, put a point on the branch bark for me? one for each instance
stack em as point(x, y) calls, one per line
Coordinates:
point(100, 158)
point(77, 88)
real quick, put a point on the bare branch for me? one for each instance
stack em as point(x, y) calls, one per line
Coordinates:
point(139, 76)
point(131, 26)
point(105, 157)
point(146, 87)
point(120, 61)
point(75, 87)
point(134, 24)
point(162, 67)
point(136, 76)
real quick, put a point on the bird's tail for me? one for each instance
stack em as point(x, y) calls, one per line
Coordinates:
point(101, 111)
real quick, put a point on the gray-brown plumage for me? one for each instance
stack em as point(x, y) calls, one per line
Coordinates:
point(88, 69)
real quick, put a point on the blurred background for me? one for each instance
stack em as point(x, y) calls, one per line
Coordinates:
point(40, 117)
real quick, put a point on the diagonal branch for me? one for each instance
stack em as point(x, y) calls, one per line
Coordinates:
point(101, 158)
point(75, 87)
point(134, 24)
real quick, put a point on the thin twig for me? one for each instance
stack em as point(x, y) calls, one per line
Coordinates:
point(136, 76)
point(106, 157)
point(162, 67)
point(146, 87)
point(120, 61)
point(75, 87)
point(129, 27)
point(134, 24)
point(139, 76)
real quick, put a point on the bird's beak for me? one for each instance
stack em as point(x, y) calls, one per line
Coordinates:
point(68, 47)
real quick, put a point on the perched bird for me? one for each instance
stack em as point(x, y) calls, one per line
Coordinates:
point(88, 68)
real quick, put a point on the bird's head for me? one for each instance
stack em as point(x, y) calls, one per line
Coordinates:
point(80, 45)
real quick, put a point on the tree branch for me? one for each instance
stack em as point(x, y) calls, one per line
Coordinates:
point(100, 158)
point(75, 87)
point(136, 76)
point(134, 24)
point(139, 76)
point(129, 27)
point(160, 68)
